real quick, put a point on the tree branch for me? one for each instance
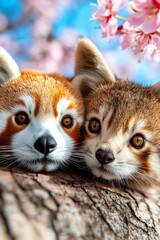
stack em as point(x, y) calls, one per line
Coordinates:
point(66, 206)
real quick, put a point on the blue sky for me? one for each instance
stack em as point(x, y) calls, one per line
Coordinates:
point(77, 16)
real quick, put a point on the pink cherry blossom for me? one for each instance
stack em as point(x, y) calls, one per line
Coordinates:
point(143, 44)
point(157, 3)
point(106, 15)
point(147, 15)
point(54, 55)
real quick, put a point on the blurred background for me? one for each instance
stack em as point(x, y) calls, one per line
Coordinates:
point(42, 35)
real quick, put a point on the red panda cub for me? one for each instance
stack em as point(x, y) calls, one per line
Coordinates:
point(122, 122)
point(40, 117)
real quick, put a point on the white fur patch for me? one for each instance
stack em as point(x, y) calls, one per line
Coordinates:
point(62, 109)
point(23, 142)
point(63, 105)
point(141, 128)
point(3, 120)
point(29, 105)
point(102, 110)
point(39, 166)
point(125, 163)
point(29, 102)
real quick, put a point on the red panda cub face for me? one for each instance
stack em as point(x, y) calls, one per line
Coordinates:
point(122, 133)
point(40, 120)
point(122, 122)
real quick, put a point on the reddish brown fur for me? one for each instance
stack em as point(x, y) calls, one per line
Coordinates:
point(128, 100)
point(74, 132)
point(144, 159)
point(37, 105)
point(33, 83)
point(51, 87)
point(9, 131)
point(20, 102)
point(128, 103)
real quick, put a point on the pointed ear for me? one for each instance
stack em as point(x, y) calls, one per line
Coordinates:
point(156, 89)
point(90, 68)
point(8, 67)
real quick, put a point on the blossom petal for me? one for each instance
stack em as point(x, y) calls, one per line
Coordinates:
point(125, 40)
point(137, 18)
point(118, 4)
point(143, 44)
point(156, 39)
point(143, 4)
point(109, 30)
point(151, 24)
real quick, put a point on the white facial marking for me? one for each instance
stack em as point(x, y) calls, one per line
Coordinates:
point(102, 110)
point(22, 145)
point(23, 142)
point(41, 166)
point(125, 163)
point(29, 105)
point(62, 105)
point(62, 109)
point(140, 127)
point(3, 119)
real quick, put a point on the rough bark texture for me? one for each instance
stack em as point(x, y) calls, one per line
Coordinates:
point(67, 206)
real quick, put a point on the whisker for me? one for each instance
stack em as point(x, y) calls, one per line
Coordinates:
point(136, 180)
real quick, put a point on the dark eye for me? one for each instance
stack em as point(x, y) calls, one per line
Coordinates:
point(21, 118)
point(137, 141)
point(94, 125)
point(67, 121)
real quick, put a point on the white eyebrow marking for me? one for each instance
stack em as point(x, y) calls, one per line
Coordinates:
point(62, 108)
point(29, 104)
point(62, 105)
point(105, 114)
point(102, 110)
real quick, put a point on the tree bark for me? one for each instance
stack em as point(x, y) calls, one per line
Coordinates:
point(70, 206)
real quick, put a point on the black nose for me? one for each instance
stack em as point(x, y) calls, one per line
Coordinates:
point(45, 144)
point(104, 156)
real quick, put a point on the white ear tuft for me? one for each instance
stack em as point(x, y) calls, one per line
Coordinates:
point(8, 67)
point(91, 69)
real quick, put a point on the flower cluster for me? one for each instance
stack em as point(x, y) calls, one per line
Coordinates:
point(140, 31)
